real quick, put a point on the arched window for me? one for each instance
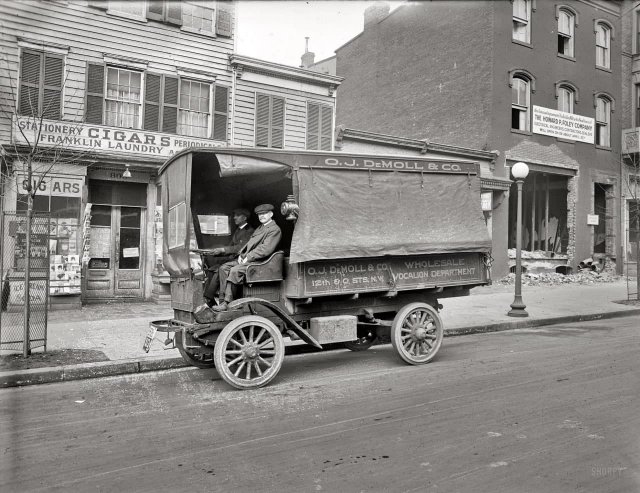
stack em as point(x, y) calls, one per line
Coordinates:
point(603, 43)
point(566, 29)
point(603, 121)
point(566, 99)
point(522, 21)
point(520, 103)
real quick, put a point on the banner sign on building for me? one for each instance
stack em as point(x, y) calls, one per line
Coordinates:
point(563, 125)
point(84, 136)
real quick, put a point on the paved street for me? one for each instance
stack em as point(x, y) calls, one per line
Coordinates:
point(548, 409)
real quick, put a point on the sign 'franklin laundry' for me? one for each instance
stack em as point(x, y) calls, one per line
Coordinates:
point(66, 135)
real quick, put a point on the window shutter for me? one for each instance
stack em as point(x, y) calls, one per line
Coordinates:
point(224, 17)
point(152, 102)
point(53, 81)
point(262, 120)
point(29, 102)
point(95, 93)
point(277, 123)
point(170, 105)
point(220, 112)
point(326, 118)
point(174, 13)
point(312, 126)
point(155, 10)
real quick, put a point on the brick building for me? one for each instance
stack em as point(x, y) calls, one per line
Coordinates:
point(109, 90)
point(536, 81)
point(631, 130)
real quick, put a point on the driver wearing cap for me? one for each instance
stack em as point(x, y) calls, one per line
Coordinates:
point(239, 239)
point(261, 245)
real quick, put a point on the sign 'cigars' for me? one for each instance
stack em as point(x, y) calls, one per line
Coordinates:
point(68, 135)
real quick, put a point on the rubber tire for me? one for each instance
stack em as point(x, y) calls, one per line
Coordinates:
point(396, 334)
point(221, 344)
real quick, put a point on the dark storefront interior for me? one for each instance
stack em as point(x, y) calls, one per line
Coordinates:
point(544, 212)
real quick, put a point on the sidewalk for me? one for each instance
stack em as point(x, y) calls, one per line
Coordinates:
point(118, 329)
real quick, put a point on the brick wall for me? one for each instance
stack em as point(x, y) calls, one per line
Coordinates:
point(403, 77)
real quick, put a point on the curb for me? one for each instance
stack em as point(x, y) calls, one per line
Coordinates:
point(527, 323)
point(67, 373)
point(36, 376)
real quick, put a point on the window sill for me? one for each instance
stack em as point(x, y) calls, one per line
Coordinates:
point(603, 148)
point(567, 57)
point(206, 34)
point(522, 43)
point(130, 17)
point(521, 132)
point(604, 69)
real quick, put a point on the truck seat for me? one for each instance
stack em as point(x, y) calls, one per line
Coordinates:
point(268, 270)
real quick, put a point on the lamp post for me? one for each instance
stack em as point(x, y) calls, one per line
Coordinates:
point(519, 171)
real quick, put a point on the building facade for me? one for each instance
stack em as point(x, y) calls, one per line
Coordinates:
point(630, 210)
point(535, 81)
point(100, 94)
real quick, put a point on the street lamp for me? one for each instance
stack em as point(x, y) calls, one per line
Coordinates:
point(519, 171)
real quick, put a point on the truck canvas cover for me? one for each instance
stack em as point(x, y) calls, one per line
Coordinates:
point(355, 206)
point(353, 213)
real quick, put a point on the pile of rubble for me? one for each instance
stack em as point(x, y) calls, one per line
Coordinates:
point(586, 275)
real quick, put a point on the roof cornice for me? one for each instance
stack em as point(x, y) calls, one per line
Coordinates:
point(249, 64)
point(422, 145)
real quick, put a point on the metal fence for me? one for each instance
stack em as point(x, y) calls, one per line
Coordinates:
point(14, 257)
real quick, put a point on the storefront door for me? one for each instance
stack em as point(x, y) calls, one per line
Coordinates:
point(115, 268)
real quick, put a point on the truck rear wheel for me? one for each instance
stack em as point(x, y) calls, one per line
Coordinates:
point(416, 333)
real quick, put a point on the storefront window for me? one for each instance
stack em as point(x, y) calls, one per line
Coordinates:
point(61, 196)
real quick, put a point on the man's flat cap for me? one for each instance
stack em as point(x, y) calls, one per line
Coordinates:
point(262, 208)
point(242, 212)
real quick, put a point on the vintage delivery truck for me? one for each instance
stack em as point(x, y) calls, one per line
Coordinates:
point(369, 245)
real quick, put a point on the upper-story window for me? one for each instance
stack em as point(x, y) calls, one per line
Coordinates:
point(566, 30)
point(319, 126)
point(522, 20)
point(123, 101)
point(603, 43)
point(520, 103)
point(41, 81)
point(269, 121)
point(134, 9)
point(603, 121)
point(126, 98)
point(199, 16)
point(193, 114)
point(566, 99)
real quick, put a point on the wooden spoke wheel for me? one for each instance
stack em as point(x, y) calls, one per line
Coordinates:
point(249, 352)
point(416, 333)
point(199, 360)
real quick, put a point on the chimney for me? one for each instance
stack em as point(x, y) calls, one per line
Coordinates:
point(308, 57)
point(375, 13)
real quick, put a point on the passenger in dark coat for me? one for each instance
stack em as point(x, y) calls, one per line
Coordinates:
point(239, 239)
point(261, 245)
